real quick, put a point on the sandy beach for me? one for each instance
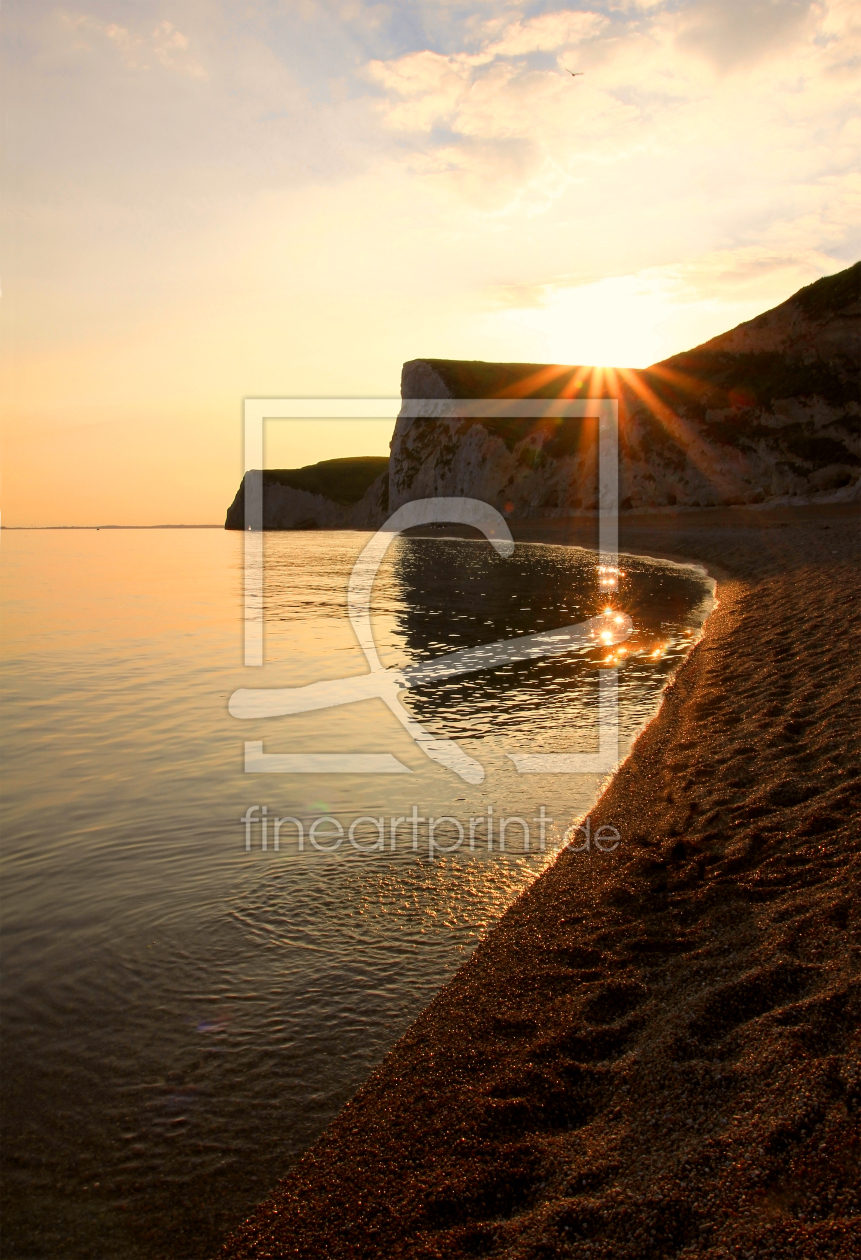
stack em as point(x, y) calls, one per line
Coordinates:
point(656, 1051)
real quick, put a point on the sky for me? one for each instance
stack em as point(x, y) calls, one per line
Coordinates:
point(205, 200)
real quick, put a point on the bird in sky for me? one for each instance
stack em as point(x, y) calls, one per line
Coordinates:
point(575, 74)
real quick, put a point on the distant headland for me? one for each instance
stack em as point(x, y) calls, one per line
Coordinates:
point(334, 494)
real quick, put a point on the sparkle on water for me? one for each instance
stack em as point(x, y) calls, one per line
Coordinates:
point(183, 1017)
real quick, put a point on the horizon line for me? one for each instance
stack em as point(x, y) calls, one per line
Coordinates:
point(111, 527)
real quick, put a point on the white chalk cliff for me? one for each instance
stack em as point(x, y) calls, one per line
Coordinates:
point(349, 493)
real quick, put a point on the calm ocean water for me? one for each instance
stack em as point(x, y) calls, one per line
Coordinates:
point(181, 1016)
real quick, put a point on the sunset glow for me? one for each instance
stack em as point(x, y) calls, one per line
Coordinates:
point(294, 201)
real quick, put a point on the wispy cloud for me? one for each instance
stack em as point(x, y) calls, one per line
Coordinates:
point(163, 45)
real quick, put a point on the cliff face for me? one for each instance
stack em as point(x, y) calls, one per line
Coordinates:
point(334, 494)
point(767, 411)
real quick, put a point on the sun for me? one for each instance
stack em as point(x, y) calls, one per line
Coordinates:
point(617, 322)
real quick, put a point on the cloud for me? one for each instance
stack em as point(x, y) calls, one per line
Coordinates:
point(547, 33)
point(734, 33)
point(655, 83)
point(170, 47)
point(137, 50)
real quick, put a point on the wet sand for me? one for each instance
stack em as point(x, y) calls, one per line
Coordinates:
point(656, 1051)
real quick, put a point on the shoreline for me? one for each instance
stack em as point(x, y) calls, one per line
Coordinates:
point(657, 1054)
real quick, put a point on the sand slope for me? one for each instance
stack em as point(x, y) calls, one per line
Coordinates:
point(656, 1052)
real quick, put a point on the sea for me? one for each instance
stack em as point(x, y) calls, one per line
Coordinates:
point(189, 996)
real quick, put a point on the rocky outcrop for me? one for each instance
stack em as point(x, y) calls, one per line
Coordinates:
point(768, 411)
point(334, 494)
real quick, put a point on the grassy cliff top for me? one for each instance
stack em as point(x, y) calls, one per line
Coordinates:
point(473, 378)
point(831, 294)
point(341, 480)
